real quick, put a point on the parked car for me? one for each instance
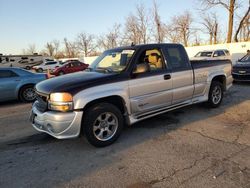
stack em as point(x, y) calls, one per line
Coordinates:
point(51, 65)
point(70, 67)
point(126, 85)
point(241, 71)
point(212, 54)
point(17, 83)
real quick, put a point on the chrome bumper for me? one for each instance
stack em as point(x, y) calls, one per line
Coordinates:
point(58, 124)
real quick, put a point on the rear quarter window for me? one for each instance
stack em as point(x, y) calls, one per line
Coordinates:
point(177, 58)
point(7, 74)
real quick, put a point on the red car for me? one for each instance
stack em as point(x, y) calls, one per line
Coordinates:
point(72, 66)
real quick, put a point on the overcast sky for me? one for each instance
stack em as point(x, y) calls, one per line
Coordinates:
point(25, 22)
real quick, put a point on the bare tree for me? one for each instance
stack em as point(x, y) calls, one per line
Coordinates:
point(85, 43)
point(180, 28)
point(143, 23)
point(197, 39)
point(245, 31)
point(137, 26)
point(230, 6)
point(172, 35)
point(30, 50)
point(70, 48)
point(210, 24)
point(112, 39)
point(160, 27)
point(244, 23)
point(56, 44)
point(132, 30)
point(50, 49)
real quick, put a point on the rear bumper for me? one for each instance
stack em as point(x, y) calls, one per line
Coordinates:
point(57, 124)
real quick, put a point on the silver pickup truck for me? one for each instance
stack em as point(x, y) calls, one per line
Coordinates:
point(123, 86)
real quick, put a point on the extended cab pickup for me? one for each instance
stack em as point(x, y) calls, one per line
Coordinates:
point(123, 86)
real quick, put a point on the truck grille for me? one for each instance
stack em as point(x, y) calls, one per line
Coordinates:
point(42, 103)
point(239, 70)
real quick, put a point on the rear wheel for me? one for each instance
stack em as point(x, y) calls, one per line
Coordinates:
point(40, 70)
point(102, 124)
point(27, 94)
point(215, 94)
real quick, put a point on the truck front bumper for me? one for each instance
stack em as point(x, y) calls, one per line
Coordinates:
point(61, 125)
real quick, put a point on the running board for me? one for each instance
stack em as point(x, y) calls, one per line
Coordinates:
point(156, 112)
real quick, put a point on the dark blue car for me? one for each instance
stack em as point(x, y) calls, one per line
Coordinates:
point(17, 83)
point(241, 71)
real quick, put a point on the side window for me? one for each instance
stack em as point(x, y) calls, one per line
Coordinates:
point(219, 53)
point(50, 63)
point(75, 64)
point(7, 74)
point(177, 58)
point(153, 58)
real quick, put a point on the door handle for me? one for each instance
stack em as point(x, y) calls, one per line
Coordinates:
point(167, 77)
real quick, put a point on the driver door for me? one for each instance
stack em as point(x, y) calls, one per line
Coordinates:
point(150, 90)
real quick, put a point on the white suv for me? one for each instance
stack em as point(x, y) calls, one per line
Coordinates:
point(51, 65)
point(212, 54)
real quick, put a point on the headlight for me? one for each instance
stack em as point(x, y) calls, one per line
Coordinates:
point(60, 102)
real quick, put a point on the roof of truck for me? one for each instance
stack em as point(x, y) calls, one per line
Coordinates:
point(146, 45)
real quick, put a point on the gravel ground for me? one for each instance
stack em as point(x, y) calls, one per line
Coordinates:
point(190, 147)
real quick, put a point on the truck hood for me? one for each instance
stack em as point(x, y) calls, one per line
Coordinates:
point(75, 82)
point(242, 65)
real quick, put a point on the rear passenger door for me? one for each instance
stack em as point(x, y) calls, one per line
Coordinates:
point(71, 67)
point(182, 74)
point(9, 81)
point(150, 90)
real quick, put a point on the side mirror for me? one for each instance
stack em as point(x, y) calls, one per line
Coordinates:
point(141, 68)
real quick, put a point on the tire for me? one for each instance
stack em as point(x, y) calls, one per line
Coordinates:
point(61, 73)
point(215, 94)
point(27, 67)
point(102, 124)
point(27, 94)
point(40, 70)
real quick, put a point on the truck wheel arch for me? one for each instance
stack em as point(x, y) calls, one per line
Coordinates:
point(116, 100)
point(222, 79)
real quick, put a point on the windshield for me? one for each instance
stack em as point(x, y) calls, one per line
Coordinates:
point(112, 61)
point(245, 59)
point(204, 54)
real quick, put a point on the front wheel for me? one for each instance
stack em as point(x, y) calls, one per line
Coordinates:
point(102, 124)
point(215, 94)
